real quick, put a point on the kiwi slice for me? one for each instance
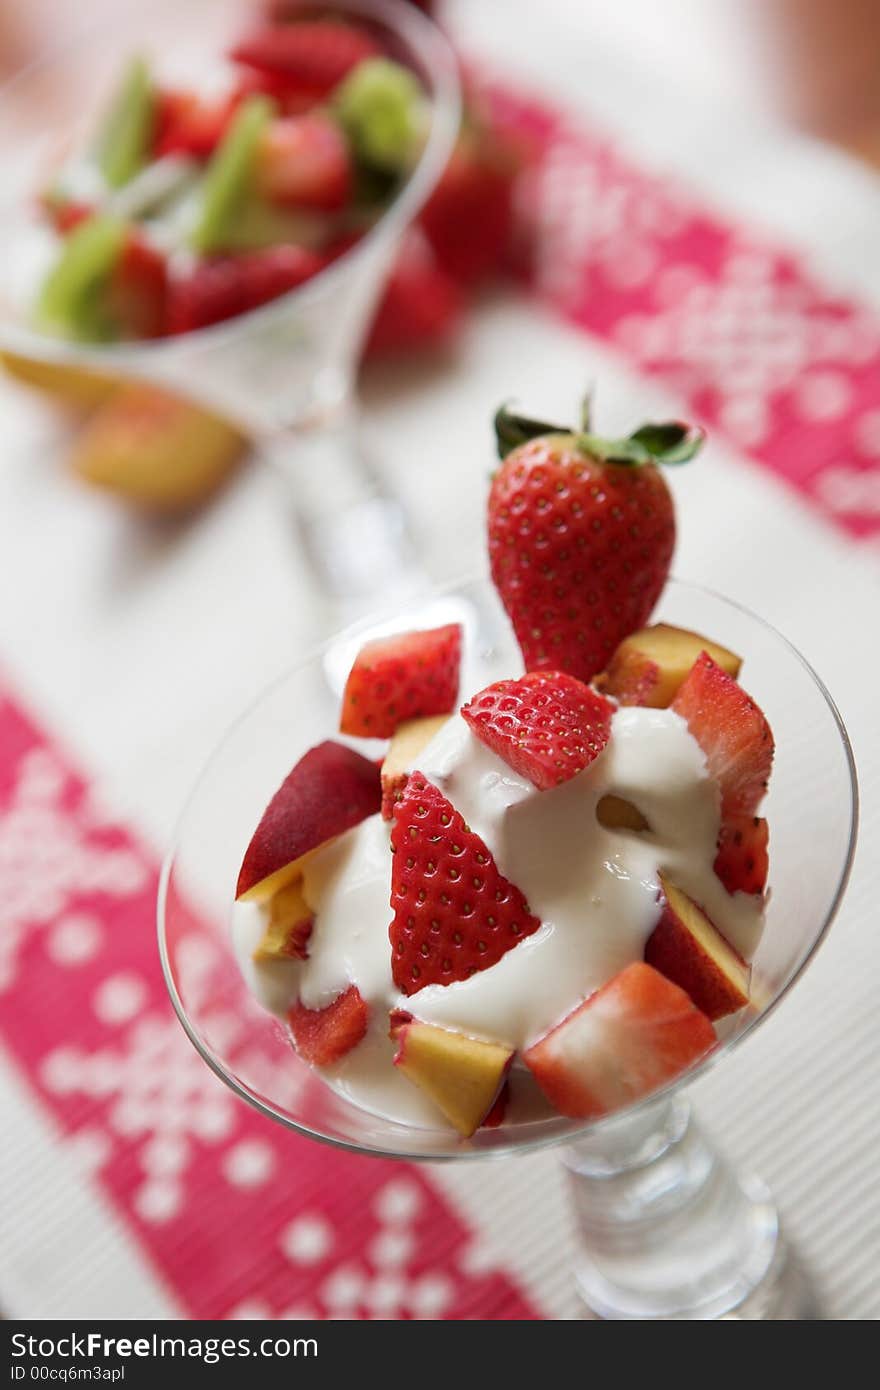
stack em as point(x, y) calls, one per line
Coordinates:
point(71, 301)
point(381, 107)
point(228, 176)
point(127, 131)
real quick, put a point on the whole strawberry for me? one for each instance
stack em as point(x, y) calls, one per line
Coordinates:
point(581, 535)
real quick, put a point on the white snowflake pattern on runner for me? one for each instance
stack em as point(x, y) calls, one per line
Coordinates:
point(159, 1094)
point(381, 1283)
point(49, 858)
point(591, 214)
point(748, 335)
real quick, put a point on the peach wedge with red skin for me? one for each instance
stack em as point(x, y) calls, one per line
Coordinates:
point(687, 948)
point(636, 1033)
point(461, 1075)
point(155, 451)
point(289, 927)
point(331, 789)
point(649, 666)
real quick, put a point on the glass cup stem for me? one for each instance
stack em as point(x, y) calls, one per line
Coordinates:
point(666, 1228)
point(352, 531)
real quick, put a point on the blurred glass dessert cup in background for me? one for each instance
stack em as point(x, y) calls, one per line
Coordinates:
point(282, 374)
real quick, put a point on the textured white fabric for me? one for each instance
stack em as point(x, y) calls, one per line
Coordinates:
point(139, 646)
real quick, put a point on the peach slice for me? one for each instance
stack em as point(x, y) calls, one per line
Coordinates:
point(649, 666)
point(615, 813)
point(688, 949)
point(74, 386)
point(403, 753)
point(289, 928)
point(331, 789)
point(156, 451)
point(462, 1076)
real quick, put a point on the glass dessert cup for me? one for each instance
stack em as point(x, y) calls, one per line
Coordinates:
point(284, 373)
point(666, 1228)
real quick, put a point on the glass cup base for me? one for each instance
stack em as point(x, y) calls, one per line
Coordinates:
point(668, 1230)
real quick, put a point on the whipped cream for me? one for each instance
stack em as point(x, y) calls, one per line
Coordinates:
point(595, 890)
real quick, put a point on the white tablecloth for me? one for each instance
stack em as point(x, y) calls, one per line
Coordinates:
point(137, 646)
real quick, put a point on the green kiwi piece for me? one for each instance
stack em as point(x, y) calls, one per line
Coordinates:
point(228, 176)
point(381, 107)
point(126, 133)
point(71, 299)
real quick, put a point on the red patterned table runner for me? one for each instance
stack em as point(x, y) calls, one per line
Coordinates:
point(732, 323)
point(235, 1215)
point(239, 1217)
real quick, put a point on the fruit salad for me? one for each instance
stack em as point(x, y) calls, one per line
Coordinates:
point(544, 895)
point(186, 207)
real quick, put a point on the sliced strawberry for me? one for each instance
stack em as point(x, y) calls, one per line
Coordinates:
point(742, 862)
point(221, 287)
point(392, 790)
point(310, 56)
point(732, 732)
point(454, 912)
point(636, 1033)
point(137, 290)
point(323, 1036)
point(304, 161)
point(190, 124)
point(405, 676)
point(546, 725)
point(468, 217)
point(422, 305)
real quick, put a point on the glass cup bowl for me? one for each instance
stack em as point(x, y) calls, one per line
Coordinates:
point(250, 1050)
point(284, 373)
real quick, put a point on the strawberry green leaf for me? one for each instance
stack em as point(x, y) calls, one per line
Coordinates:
point(671, 442)
point(668, 443)
point(512, 430)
